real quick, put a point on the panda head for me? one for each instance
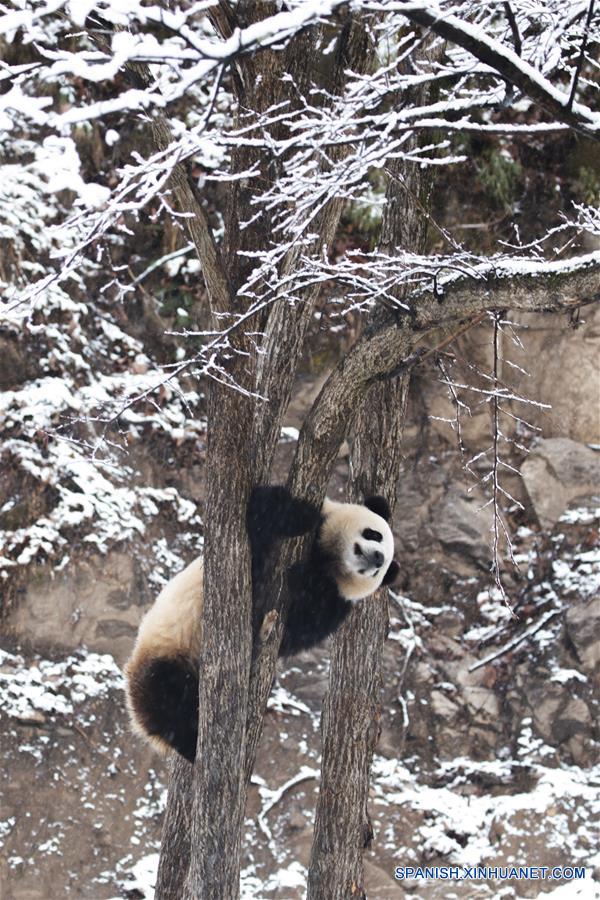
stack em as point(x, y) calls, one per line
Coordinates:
point(358, 543)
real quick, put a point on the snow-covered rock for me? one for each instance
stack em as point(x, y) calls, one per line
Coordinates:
point(556, 472)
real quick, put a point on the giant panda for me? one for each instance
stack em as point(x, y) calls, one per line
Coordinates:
point(351, 557)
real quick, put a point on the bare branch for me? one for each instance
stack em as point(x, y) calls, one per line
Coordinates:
point(530, 286)
point(513, 27)
point(512, 644)
point(190, 201)
point(497, 524)
point(579, 65)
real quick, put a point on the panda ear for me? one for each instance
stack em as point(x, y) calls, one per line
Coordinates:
point(392, 573)
point(379, 506)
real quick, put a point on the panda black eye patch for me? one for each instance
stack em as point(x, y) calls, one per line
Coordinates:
point(370, 535)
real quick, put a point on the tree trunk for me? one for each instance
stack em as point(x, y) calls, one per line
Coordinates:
point(242, 435)
point(175, 848)
point(350, 722)
point(351, 715)
point(219, 786)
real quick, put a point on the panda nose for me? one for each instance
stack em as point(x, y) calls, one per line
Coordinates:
point(378, 559)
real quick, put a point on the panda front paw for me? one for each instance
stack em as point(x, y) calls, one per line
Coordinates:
point(392, 573)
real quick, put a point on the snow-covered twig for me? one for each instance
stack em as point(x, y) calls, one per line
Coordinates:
point(515, 642)
point(305, 774)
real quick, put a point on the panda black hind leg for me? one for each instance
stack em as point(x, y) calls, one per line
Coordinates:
point(163, 695)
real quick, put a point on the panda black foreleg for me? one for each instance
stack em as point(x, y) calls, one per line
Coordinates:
point(315, 611)
point(274, 513)
point(392, 573)
point(164, 696)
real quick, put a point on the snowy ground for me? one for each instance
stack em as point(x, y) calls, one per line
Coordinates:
point(519, 811)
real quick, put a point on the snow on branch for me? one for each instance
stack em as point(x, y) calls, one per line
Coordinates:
point(505, 61)
point(194, 57)
point(320, 147)
point(531, 285)
point(179, 46)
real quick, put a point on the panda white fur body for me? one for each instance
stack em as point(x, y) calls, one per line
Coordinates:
point(352, 557)
point(171, 628)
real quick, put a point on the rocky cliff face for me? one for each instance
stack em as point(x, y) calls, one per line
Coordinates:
point(488, 736)
point(488, 740)
point(486, 754)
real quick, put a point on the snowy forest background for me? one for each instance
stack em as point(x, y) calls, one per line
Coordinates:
point(111, 332)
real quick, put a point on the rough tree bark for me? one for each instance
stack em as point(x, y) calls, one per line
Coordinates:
point(242, 435)
point(350, 722)
point(206, 804)
point(351, 708)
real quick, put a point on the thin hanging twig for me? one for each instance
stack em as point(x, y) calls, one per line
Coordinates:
point(579, 65)
point(498, 526)
point(513, 27)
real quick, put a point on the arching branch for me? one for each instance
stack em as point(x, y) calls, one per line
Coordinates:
point(526, 285)
point(189, 203)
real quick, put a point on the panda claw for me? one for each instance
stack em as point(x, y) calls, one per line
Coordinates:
point(268, 624)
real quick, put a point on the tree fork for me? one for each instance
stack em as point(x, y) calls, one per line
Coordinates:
point(352, 710)
point(242, 438)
